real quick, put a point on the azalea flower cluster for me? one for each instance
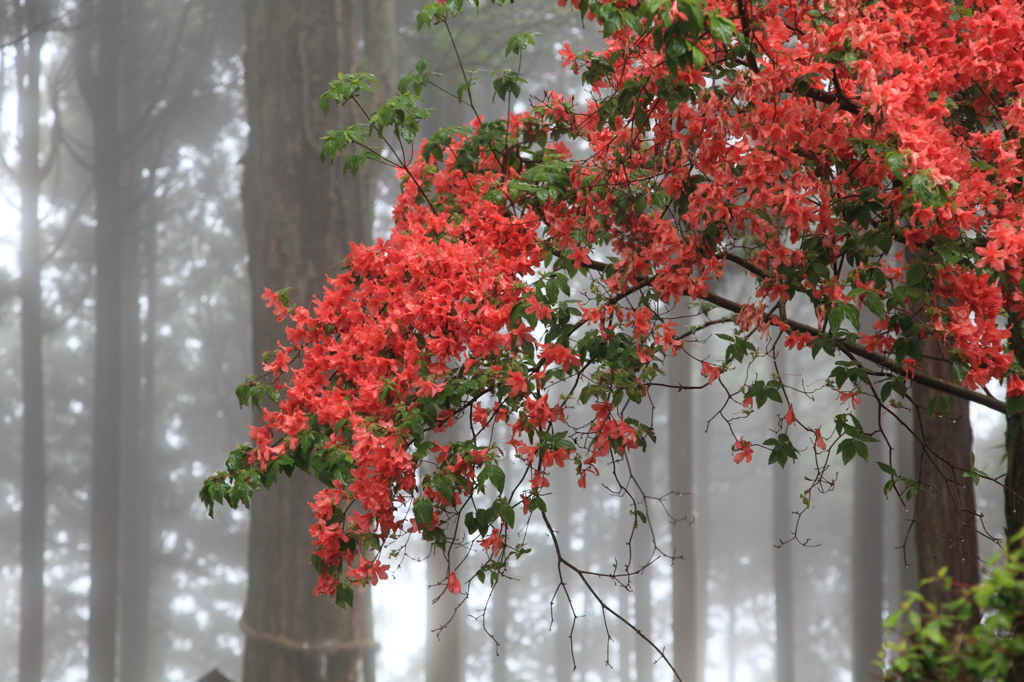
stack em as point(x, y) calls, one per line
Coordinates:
point(851, 155)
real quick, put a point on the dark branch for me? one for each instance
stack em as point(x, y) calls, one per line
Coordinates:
point(851, 349)
point(946, 387)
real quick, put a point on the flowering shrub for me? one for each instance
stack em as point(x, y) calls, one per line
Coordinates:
point(846, 156)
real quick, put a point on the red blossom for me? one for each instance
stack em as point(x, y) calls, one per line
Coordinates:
point(415, 329)
point(454, 586)
point(518, 383)
point(493, 543)
point(744, 451)
point(710, 371)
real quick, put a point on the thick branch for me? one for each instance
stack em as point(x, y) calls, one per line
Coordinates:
point(880, 360)
point(845, 103)
point(946, 387)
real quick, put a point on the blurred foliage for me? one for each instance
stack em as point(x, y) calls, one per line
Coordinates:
point(947, 642)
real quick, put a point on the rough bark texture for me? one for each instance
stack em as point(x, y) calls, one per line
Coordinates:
point(868, 527)
point(300, 216)
point(98, 70)
point(685, 621)
point(945, 507)
point(1014, 491)
point(33, 474)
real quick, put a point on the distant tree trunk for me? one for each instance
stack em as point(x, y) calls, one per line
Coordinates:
point(300, 216)
point(627, 638)
point(445, 657)
point(561, 519)
point(98, 69)
point(685, 621)
point(945, 506)
point(731, 640)
point(905, 564)
point(136, 467)
point(499, 628)
point(33, 486)
point(868, 527)
point(643, 549)
point(785, 623)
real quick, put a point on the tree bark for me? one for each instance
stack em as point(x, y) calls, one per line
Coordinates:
point(685, 621)
point(33, 486)
point(643, 549)
point(1013, 492)
point(300, 216)
point(1014, 485)
point(98, 70)
point(868, 527)
point(945, 505)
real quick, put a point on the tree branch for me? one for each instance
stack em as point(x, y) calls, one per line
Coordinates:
point(946, 387)
point(880, 360)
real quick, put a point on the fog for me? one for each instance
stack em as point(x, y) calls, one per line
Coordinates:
point(130, 251)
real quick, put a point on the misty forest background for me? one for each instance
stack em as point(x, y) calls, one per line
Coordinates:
point(160, 168)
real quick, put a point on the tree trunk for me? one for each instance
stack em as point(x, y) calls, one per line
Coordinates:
point(33, 486)
point(561, 518)
point(136, 471)
point(945, 505)
point(300, 216)
point(444, 654)
point(1013, 495)
point(868, 526)
point(685, 621)
point(99, 83)
point(1014, 490)
point(643, 549)
point(785, 624)
point(499, 628)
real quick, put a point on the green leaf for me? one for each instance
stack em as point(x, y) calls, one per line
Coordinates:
point(505, 511)
point(886, 468)
point(242, 393)
point(496, 475)
point(874, 304)
point(423, 510)
point(519, 42)
point(344, 594)
point(722, 29)
point(939, 406)
point(916, 274)
point(1014, 405)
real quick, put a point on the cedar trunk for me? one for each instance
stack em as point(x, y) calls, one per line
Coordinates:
point(945, 505)
point(1014, 490)
point(33, 474)
point(98, 70)
point(782, 565)
point(300, 216)
point(868, 528)
point(686, 622)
